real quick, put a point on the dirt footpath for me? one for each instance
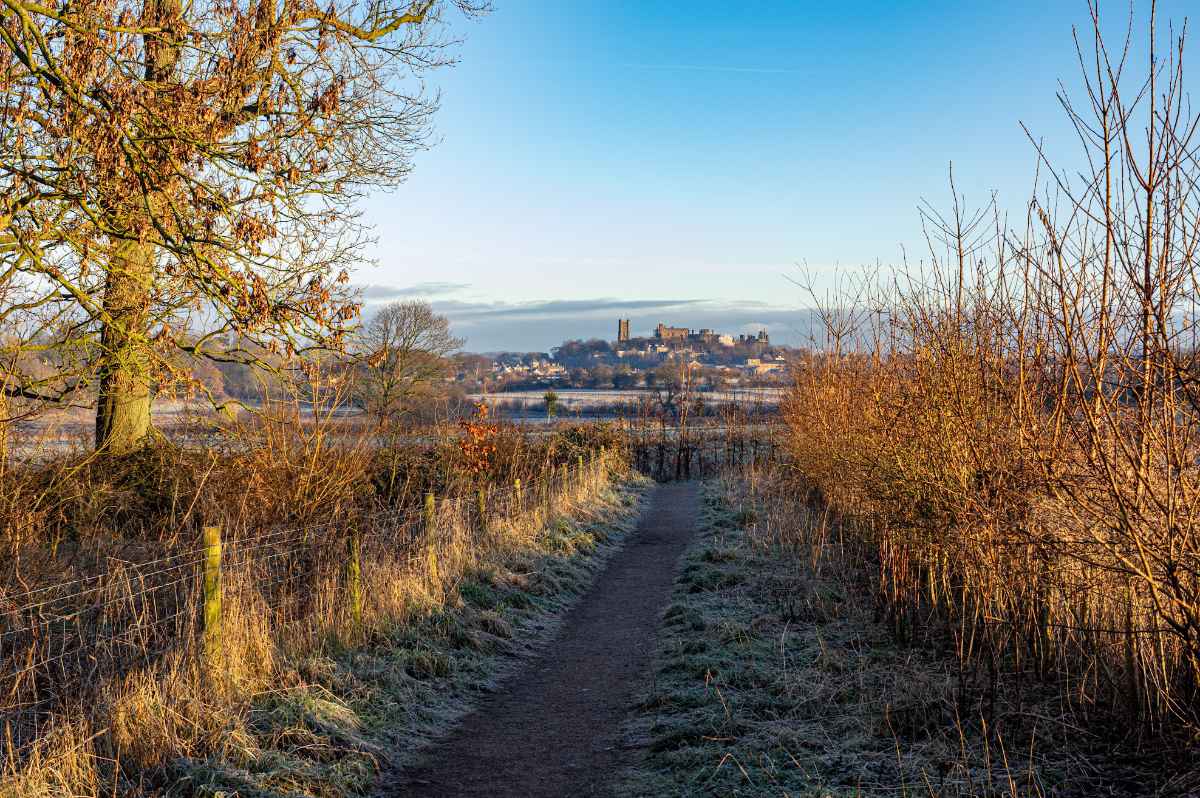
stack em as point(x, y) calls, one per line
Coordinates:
point(554, 730)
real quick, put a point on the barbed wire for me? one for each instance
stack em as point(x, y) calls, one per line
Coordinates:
point(60, 645)
point(408, 521)
point(297, 531)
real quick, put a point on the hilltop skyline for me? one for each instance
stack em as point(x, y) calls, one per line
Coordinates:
point(599, 153)
point(538, 326)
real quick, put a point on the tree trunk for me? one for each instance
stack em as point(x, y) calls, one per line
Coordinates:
point(123, 404)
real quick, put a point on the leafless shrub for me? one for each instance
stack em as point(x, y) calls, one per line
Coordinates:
point(1016, 426)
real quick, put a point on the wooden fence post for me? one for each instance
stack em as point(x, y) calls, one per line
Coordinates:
point(431, 563)
point(483, 519)
point(354, 576)
point(430, 512)
point(580, 476)
point(213, 647)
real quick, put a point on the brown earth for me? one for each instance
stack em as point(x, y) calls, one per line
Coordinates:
point(554, 730)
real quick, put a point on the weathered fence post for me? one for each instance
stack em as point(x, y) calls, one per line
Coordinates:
point(354, 576)
point(582, 474)
point(430, 512)
point(450, 509)
point(517, 493)
point(431, 562)
point(483, 519)
point(213, 646)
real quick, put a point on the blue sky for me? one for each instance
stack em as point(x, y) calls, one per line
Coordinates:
point(675, 161)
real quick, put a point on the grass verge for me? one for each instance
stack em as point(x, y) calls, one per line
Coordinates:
point(338, 710)
point(774, 677)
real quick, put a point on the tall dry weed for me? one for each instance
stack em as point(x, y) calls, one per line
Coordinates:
point(1015, 425)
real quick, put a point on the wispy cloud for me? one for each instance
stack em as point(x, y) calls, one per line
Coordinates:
point(380, 293)
point(539, 326)
point(557, 308)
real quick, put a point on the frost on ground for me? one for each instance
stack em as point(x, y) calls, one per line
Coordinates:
point(773, 678)
point(352, 714)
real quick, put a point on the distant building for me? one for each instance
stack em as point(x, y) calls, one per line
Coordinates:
point(664, 333)
point(761, 338)
point(757, 367)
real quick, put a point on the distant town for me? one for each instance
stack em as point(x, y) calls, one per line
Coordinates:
point(712, 359)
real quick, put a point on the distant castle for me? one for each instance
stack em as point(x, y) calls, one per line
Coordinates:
point(664, 333)
point(667, 334)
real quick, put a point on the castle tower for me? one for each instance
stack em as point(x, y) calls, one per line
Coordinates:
point(622, 329)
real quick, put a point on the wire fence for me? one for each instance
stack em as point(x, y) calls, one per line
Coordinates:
point(669, 453)
point(61, 643)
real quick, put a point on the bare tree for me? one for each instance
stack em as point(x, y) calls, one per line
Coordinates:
point(404, 347)
point(673, 387)
point(182, 177)
point(550, 398)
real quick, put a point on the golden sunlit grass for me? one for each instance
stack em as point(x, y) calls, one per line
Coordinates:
point(1009, 544)
point(115, 691)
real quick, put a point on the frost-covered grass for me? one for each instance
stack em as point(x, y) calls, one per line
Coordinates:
point(350, 714)
point(774, 678)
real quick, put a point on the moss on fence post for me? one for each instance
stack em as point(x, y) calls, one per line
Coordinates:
point(431, 556)
point(430, 512)
point(213, 643)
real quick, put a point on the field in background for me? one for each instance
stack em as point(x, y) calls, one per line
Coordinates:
point(530, 405)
